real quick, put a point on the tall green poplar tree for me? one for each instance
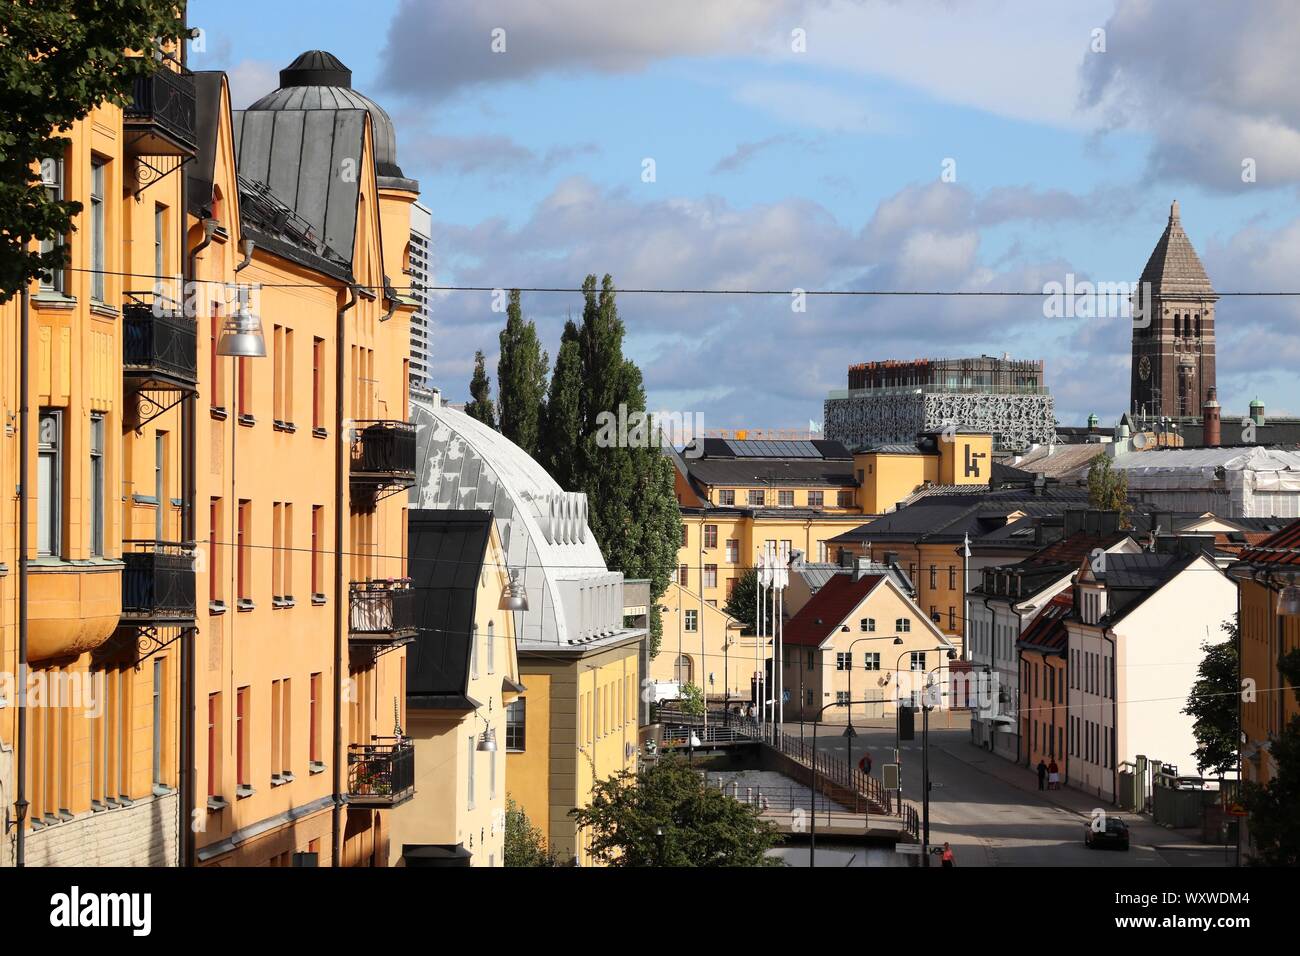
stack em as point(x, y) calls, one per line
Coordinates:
point(521, 380)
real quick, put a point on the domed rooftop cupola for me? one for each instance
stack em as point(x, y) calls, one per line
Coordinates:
point(318, 80)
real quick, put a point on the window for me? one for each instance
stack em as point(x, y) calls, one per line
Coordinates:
point(469, 776)
point(727, 497)
point(684, 575)
point(317, 549)
point(97, 503)
point(473, 653)
point(710, 535)
point(214, 744)
point(952, 577)
point(159, 718)
point(241, 736)
point(318, 384)
point(867, 624)
point(733, 550)
point(917, 660)
point(286, 552)
point(682, 669)
point(785, 499)
point(756, 497)
point(217, 365)
point(685, 536)
point(243, 569)
point(98, 264)
point(244, 369)
point(731, 587)
point(842, 697)
point(845, 499)
point(313, 720)
point(810, 660)
point(808, 697)
point(160, 485)
point(159, 244)
point(822, 553)
point(692, 621)
point(934, 576)
point(903, 625)
point(52, 177)
point(952, 618)
point(49, 484)
point(816, 499)
point(214, 551)
point(843, 661)
point(491, 648)
point(710, 576)
point(871, 661)
point(516, 724)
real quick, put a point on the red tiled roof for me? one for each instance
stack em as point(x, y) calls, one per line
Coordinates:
point(1224, 542)
point(1075, 547)
point(1282, 547)
point(819, 618)
point(1047, 631)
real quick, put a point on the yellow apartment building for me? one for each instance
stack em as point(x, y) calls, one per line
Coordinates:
point(304, 453)
point(703, 645)
point(110, 583)
point(461, 689)
point(1269, 623)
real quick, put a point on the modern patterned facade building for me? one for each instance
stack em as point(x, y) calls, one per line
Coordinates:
point(889, 402)
point(419, 269)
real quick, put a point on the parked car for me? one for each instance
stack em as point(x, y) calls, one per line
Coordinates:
point(1114, 834)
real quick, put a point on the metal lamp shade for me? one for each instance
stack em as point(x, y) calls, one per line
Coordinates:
point(514, 597)
point(1289, 601)
point(241, 335)
point(487, 743)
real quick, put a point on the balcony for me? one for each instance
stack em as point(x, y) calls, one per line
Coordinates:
point(159, 345)
point(160, 120)
point(381, 617)
point(382, 773)
point(382, 460)
point(158, 583)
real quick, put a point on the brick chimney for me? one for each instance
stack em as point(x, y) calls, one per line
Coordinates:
point(1210, 418)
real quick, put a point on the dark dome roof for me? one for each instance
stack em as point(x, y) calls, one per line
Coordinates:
point(318, 80)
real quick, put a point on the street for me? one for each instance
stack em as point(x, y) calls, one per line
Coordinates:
point(987, 809)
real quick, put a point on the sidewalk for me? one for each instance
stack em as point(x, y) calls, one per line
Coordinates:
point(1143, 829)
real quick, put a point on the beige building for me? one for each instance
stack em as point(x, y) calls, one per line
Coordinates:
point(462, 682)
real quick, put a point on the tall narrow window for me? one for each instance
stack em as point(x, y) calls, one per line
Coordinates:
point(245, 397)
point(217, 367)
point(241, 737)
point(491, 648)
point(159, 245)
point(277, 729)
point(242, 569)
point(317, 554)
point(286, 553)
point(214, 744)
point(318, 384)
point(159, 718)
point(52, 179)
point(473, 653)
point(285, 755)
point(470, 772)
point(286, 378)
point(313, 721)
point(277, 519)
point(277, 374)
point(97, 502)
point(49, 486)
point(215, 554)
point(160, 485)
point(516, 724)
point(97, 228)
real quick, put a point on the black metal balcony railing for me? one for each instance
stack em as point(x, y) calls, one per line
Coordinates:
point(382, 773)
point(381, 609)
point(162, 109)
point(159, 343)
point(383, 451)
point(158, 581)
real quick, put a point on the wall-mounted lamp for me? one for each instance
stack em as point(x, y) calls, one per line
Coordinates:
point(241, 334)
point(513, 596)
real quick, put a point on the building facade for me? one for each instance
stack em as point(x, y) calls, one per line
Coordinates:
point(890, 402)
point(419, 271)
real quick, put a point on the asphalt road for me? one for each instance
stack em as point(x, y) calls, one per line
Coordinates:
point(990, 821)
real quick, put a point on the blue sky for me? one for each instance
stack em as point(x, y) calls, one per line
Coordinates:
point(820, 168)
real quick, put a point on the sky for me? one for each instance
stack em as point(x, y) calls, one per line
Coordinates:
point(932, 145)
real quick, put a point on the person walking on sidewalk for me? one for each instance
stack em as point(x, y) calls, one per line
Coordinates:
point(1042, 774)
point(1053, 776)
point(947, 858)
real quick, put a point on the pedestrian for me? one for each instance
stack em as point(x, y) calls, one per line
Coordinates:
point(1053, 776)
point(947, 857)
point(865, 764)
point(1042, 774)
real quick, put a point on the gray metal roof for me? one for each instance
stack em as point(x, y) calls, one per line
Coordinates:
point(1174, 267)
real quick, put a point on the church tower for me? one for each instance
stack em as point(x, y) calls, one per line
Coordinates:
point(1173, 330)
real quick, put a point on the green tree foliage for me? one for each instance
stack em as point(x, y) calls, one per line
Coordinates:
point(744, 598)
point(525, 845)
point(629, 483)
point(1274, 822)
point(666, 815)
point(692, 700)
point(1212, 705)
point(521, 380)
point(480, 393)
point(60, 59)
point(1107, 488)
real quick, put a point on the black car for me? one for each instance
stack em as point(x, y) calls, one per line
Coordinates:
point(1114, 833)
